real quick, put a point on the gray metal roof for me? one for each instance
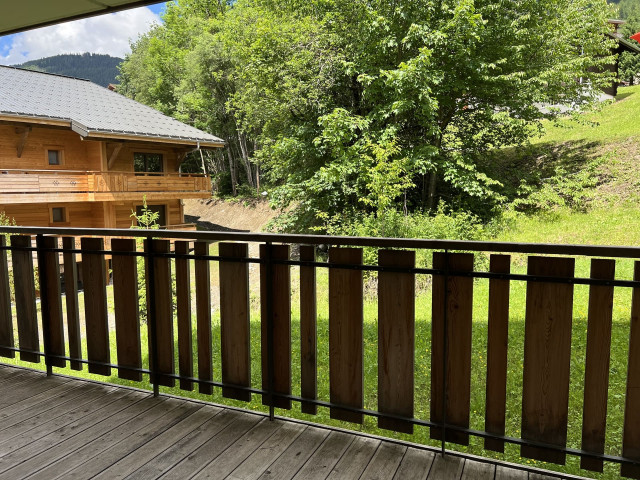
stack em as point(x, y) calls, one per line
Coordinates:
point(91, 110)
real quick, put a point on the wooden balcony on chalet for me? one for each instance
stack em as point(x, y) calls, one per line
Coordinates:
point(37, 186)
point(246, 318)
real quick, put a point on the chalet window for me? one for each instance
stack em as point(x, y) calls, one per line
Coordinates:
point(159, 209)
point(59, 215)
point(147, 162)
point(54, 157)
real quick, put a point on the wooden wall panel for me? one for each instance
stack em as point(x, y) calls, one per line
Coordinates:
point(596, 377)
point(497, 352)
point(396, 339)
point(547, 355)
point(346, 373)
point(308, 331)
point(234, 320)
point(6, 316)
point(163, 320)
point(25, 292)
point(78, 154)
point(71, 302)
point(631, 435)
point(280, 282)
point(51, 300)
point(81, 214)
point(125, 296)
point(95, 305)
point(459, 311)
point(203, 316)
point(183, 312)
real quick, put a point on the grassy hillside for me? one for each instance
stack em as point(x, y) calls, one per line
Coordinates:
point(579, 182)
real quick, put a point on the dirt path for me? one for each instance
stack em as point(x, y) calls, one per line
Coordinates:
point(227, 215)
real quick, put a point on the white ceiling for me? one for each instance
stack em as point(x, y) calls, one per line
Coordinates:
point(17, 16)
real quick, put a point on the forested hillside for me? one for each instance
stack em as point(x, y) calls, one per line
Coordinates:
point(100, 69)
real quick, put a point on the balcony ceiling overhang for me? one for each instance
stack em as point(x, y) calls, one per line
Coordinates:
point(29, 14)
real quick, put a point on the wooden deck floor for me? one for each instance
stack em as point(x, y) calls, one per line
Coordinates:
point(61, 428)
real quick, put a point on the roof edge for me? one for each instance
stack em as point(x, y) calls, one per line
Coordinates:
point(51, 121)
point(98, 135)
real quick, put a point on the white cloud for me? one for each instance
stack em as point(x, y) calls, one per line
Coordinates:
point(108, 34)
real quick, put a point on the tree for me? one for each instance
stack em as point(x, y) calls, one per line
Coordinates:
point(354, 106)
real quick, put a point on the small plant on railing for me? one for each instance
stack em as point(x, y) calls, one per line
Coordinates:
point(145, 220)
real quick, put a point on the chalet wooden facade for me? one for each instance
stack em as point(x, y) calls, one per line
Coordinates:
point(57, 171)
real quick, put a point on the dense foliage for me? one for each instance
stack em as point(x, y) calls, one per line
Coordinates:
point(350, 108)
point(100, 69)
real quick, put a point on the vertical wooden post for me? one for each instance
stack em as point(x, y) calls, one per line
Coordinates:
point(203, 314)
point(596, 374)
point(396, 339)
point(95, 305)
point(125, 297)
point(453, 298)
point(6, 317)
point(183, 306)
point(25, 290)
point(547, 358)
point(497, 352)
point(280, 288)
point(346, 317)
point(71, 301)
point(308, 330)
point(234, 320)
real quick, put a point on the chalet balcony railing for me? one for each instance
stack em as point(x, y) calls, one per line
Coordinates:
point(26, 186)
point(409, 392)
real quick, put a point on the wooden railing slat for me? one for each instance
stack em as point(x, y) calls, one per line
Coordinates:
point(308, 331)
point(25, 292)
point(459, 309)
point(547, 358)
point(95, 305)
point(346, 316)
point(183, 312)
point(6, 317)
point(396, 339)
point(126, 307)
point(281, 305)
point(596, 375)
point(498, 337)
point(234, 320)
point(71, 302)
point(52, 316)
point(203, 316)
point(631, 435)
point(163, 311)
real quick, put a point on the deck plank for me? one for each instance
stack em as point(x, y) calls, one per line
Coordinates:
point(296, 455)
point(212, 448)
point(256, 463)
point(325, 457)
point(415, 464)
point(385, 462)
point(474, 470)
point(155, 447)
point(57, 427)
point(355, 459)
point(101, 443)
point(446, 467)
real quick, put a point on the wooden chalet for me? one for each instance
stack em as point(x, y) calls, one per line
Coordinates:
point(75, 154)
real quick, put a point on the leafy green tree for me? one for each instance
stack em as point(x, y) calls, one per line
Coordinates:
point(354, 106)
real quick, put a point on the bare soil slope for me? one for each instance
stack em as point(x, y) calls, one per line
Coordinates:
point(229, 215)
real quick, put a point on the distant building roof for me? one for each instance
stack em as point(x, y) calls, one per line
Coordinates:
point(89, 109)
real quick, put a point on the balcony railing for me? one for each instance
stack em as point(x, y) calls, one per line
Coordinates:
point(408, 392)
point(27, 186)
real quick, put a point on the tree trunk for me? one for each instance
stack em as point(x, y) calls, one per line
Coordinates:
point(232, 170)
point(242, 140)
point(432, 191)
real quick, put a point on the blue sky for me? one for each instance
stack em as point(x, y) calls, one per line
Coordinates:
point(108, 34)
